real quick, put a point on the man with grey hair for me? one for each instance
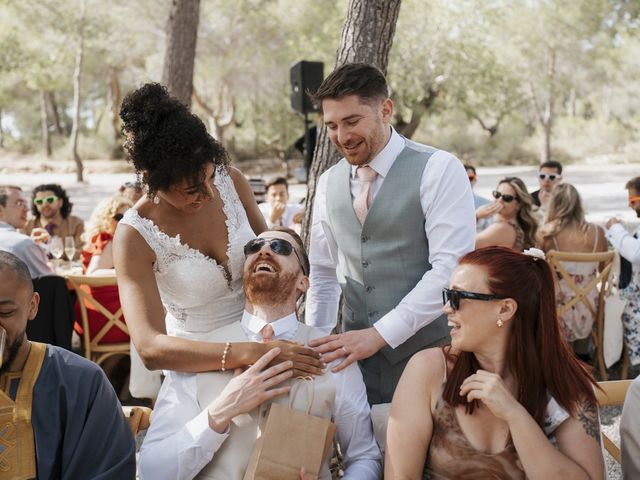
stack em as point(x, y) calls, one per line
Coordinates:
point(13, 216)
point(61, 417)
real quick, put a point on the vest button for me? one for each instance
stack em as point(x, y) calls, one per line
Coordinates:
point(364, 239)
point(365, 264)
point(370, 289)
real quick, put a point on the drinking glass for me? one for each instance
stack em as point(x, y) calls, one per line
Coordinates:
point(56, 247)
point(69, 248)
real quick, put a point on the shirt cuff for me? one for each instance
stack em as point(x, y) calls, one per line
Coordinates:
point(615, 230)
point(388, 328)
point(203, 435)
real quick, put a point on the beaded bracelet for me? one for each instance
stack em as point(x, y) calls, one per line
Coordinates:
point(227, 347)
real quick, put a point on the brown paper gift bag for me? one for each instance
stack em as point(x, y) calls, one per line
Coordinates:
point(291, 439)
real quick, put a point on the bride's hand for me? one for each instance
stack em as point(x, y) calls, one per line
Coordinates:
point(306, 361)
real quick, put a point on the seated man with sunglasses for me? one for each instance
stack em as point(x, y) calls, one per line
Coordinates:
point(549, 175)
point(208, 423)
point(51, 210)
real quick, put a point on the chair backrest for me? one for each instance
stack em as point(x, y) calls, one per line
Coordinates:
point(600, 282)
point(612, 393)
point(93, 348)
point(138, 418)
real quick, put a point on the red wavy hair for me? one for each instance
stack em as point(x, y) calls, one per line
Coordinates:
point(538, 357)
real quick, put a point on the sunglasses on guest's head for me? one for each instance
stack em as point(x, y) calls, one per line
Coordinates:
point(551, 176)
point(278, 246)
point(454, 296)
point(41, 201)
point(505, 196)
point(118, 216)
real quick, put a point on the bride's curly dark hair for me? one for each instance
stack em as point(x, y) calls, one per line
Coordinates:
point(166, 142)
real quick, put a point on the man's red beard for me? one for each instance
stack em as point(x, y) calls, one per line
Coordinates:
point(269, 289)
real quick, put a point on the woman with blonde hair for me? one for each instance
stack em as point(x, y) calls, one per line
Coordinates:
point(99, 234)
point(566, 230)
point(515, 225)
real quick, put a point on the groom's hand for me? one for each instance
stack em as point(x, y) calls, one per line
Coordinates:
point(352, 346)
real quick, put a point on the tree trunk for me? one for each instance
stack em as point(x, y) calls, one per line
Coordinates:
point(44, 124)
point(54, 116)
point(549, 108)
point(115, 97)
point(77, 83)
point(367, 36)
point(180, 52)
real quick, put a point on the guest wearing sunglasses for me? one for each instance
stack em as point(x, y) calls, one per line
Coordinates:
point(628, 245)
point(549, 175)
point(507, 398)
point(179, 251)
point(51, 210)
point(515, 225)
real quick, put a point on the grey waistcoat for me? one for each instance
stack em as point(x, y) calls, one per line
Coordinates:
point(383, 260)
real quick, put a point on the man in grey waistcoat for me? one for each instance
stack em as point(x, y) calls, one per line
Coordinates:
point(390, 221)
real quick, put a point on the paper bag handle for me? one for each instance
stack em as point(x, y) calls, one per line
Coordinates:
point(310, 391)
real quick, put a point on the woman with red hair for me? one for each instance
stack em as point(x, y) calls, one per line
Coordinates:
point(507, 399)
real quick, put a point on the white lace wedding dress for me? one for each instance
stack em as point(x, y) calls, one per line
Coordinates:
point(198, 294)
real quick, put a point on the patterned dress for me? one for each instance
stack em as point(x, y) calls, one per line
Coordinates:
point(631, 315)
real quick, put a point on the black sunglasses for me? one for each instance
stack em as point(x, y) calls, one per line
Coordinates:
point(118, 216)
point(454, 296)
point(278, 246)
point(505, 196)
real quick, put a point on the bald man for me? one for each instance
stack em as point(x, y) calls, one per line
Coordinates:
point(61, 418)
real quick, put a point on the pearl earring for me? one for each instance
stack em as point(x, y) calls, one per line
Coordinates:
point(500, 323)
point(156, 200)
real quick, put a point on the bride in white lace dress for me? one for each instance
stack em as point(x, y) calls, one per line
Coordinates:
point(178, 252)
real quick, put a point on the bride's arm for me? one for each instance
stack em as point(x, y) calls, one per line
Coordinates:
point(256, 219)
point(144, 312)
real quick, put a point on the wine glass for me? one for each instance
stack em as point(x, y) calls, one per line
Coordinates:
point(69, 248)
point(56, 249)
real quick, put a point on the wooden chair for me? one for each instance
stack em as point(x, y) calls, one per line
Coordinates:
point(138, 418)
point(612, 393)
point(600, 282)
point(94, 349)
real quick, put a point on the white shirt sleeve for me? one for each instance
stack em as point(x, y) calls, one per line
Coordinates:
point(354, 433)
point(450, 227)
point(321, 308)
point(624, 242)
point(179, 442)
point(34, 257)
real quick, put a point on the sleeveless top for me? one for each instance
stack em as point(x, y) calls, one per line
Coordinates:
point(577, 322)
point(198, 294)
point(451, 455)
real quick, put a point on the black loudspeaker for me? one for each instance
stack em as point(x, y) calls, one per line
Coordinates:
point(305, 77)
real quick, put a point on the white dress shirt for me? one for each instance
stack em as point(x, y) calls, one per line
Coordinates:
point(180, 442)
point(23, 247)
point(447, 204)
point(286, 220)
point(624, 242)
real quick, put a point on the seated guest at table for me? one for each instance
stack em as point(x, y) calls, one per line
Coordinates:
point(97, 259)
point(277, 210)
point(51, 209)
point(60, 416)
point(566, 230)
point(13, 216)
point(515, 225)
point(97, 255)
point(508, 397)
point(192, 430)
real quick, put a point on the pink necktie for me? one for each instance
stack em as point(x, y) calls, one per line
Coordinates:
point(267, 333)
point(362, 202)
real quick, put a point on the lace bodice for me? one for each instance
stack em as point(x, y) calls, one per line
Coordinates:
point(198, 294)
